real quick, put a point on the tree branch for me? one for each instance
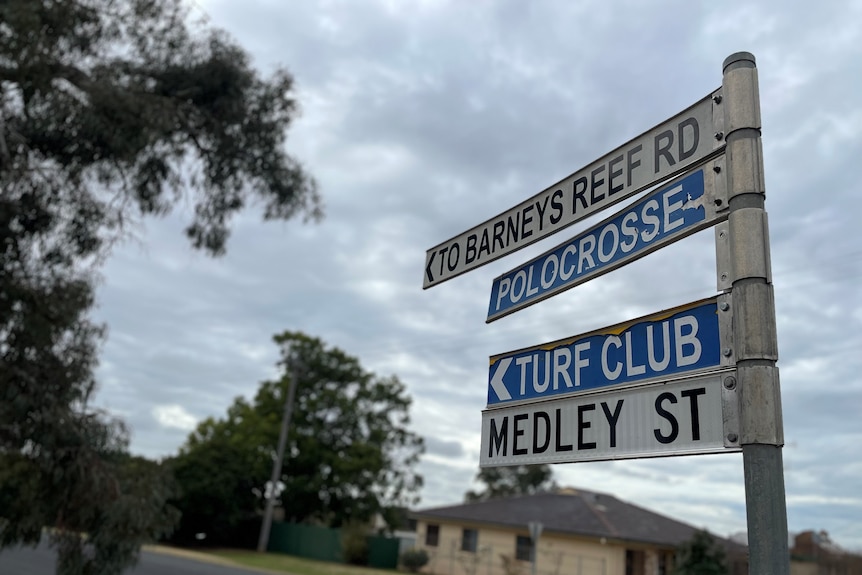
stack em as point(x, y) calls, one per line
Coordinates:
point(5, 157)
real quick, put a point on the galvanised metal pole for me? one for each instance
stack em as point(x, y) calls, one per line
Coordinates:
point(754, 332)
point(263, 539)
point(535, 528)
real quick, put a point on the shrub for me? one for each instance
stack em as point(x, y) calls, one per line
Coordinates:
point(414, 559)
point(354, 543)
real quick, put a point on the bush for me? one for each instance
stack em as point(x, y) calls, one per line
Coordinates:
point(414, 559)
point(354, 543)
point(701, 555)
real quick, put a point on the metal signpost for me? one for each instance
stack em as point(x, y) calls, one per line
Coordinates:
point(750, 274)
point(699, 378)
point(535, 529)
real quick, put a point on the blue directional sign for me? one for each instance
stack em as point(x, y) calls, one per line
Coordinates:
point(680, 340)
point(681, 208)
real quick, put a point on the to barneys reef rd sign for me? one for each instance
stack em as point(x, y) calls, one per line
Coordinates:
point(668, 149)
point(680, 340)
point(686, 205)
point(681, 417)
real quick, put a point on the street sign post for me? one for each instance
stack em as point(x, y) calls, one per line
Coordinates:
point(754, 331)
point(686, 205)
point(673, 384)
point(535, 528)
point(676, 417)
point(680, 340)
point(660, 153)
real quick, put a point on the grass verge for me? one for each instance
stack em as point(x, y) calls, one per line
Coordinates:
point(293, 565)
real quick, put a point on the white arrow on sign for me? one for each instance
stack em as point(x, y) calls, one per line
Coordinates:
point(497, 380)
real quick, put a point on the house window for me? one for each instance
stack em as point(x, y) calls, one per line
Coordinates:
point(523, 548)
point(469, 540)
point(634, 562)
point(432, 535)
point(665, 560)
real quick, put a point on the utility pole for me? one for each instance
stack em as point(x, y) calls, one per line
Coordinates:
point(265, 527)
point(754, 332)
point(535, 528)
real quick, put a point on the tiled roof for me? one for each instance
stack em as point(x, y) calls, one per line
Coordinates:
point(575, 512)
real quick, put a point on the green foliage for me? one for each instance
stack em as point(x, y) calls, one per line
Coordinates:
point(101, 503)
point(514, 480)
point(395, 517)
point(112, 106)
point(109, 110)
point(349, 451)
point(414, 559)
point(701, 555)
point(63, 464)
point(354, 543)
point(216, 489)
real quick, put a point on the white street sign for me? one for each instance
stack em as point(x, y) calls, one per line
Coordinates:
point(679, 417)
point(660, 153)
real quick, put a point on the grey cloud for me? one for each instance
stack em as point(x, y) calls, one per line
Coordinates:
point(443, 447)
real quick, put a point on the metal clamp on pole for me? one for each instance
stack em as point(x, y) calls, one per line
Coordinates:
point(754, 333)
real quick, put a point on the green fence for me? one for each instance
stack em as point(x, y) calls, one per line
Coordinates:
point(324, 544)
point(383, 552)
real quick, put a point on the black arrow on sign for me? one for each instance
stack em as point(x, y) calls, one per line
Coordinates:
point(428, 267)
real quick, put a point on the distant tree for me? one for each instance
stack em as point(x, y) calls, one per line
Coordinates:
point(514, 480)
point(701, 555)
point(349, 456)
point(109, 110)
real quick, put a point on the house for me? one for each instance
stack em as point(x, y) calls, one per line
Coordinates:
point(583, 533)
point(814, 553)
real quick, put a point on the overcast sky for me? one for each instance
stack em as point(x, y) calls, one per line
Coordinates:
point(421, 119)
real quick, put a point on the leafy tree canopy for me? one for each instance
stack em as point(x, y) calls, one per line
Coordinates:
point(701, 555)
point(109, 110)
point(112, 107)
point(513, 480)
point(350, 453)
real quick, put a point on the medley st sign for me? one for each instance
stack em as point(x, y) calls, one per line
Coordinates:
point(678, 417)
point(668, 149)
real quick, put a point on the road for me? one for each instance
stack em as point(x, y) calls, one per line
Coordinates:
point(40, 561)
